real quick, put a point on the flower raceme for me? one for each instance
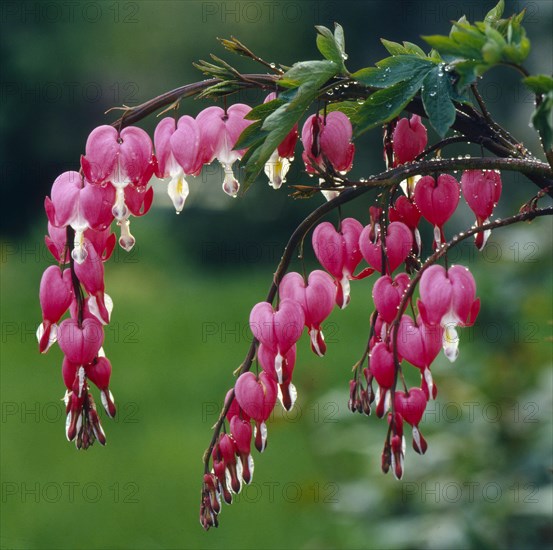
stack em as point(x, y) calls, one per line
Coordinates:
point(113, 185)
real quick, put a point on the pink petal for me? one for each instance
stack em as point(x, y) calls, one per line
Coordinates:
point(185, 145)
point(101, 153)
point(162, 142)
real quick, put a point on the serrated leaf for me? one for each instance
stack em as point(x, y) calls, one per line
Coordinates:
point(435, 93)
point(495, 13)
point(539, 83)
point(414, 49)
point(329, 48)
point(384, 105)
point(340, 38)
point(391, 70)
point(306, 71)
point(393, 47)
point(447, 46)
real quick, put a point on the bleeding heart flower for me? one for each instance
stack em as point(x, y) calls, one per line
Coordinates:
point(99, 373)
point(409, 139)
point(279, 162)
point(437, 200)
point(56, 294)
point(405, 210)
point(91, 274)
point(339, 254)
point(382, 367)
point(419, 344)
point(278, 330)
point(327, 143)
point(317, 299)
point(481, 190)
point(178, 155)
point(241, 431)
point(411, 406)
point(228, 450)
point(220, 131)
point(399, 242)
point(447, 298)
point(287, 392)
point(257, 397)
point(119, 158)
point(387, 294)
point(80, 344)
point(80, 205)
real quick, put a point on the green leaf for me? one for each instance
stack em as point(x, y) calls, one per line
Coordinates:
point(310, 77)
point(251, 136)
point(340, 39)
point(392, 70)
point(468, 72)
point(349, 108)
point(384, 105)
point(495, 13)
point(449, 46)
point(539, 84)
point(262, 111)
point(542, 119)
point(329, 47)
point(309, 71)
point(414, 49)
point(393, 47)
point(407, 48)
point(435, 93)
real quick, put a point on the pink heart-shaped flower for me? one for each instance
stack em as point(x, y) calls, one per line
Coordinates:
point(80, 344)
point(410, 405)
point(256, 395)
point(399, 241)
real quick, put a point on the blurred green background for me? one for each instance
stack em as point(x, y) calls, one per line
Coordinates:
point(183, 296)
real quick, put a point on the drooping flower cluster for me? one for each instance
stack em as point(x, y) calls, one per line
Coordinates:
point(114, 184)
point(447, 300)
